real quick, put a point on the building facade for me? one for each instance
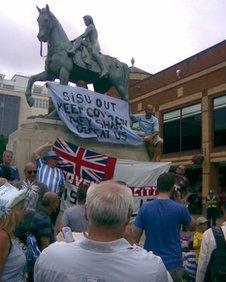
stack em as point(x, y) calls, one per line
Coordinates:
point(190, 101)
point(14, 109)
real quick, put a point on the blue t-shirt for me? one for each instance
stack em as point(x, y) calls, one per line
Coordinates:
point(162, 220)
point(147, 125)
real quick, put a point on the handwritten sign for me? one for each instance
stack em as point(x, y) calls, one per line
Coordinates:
point(90, 114)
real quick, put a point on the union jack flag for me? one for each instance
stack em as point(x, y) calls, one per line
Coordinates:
point(84, 163)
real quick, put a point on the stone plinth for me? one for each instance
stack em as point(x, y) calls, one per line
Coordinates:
point(37, 131)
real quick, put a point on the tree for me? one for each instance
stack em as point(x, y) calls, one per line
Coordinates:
point(3, 143)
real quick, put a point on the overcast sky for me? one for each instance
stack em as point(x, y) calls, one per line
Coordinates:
point(157, 33)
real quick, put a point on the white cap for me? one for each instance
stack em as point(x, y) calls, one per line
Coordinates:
point(9, 197)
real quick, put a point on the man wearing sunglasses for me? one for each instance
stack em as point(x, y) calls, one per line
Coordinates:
point(35, 189)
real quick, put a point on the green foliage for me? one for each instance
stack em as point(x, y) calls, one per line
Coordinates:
point(3, 143)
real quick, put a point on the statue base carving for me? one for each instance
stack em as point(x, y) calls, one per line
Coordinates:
point(37, 131)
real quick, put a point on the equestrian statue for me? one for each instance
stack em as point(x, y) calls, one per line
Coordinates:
point(77, 60)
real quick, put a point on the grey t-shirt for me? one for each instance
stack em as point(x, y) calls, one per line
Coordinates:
point(15, 263)
point(74, 217)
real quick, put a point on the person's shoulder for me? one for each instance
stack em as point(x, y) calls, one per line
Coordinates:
point(179, 206)
point(68, 210)
point(73, 208)
point(41, 216)
point(13, 167)
point(56, 250)
point(139, 116)
point(39, 161)
point(144, 257)
point(41, 185)
point(208, 235)
point(4, 237)
point(154, 117)
point(149, 204)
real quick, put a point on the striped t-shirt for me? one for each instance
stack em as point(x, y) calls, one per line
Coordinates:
point(52, 177)
point(189, 264)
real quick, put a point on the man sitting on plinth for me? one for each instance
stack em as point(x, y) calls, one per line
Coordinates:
point(149, 125)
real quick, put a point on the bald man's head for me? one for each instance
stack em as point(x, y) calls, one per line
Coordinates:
point(149, 110)
point(50, 201)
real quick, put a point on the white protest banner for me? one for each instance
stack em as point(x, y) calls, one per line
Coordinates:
point(141, 177)
point(92, 115)
point(83, 167)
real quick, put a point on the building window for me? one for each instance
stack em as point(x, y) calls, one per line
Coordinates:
point(9, 114)
point(219, 121)
point(182, 129)
point(8, 86)
point(41, 103)
point(37, 89)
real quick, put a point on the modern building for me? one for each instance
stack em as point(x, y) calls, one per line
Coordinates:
point(14, 109)
point(190, 101)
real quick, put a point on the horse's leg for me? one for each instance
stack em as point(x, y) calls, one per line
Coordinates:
point(42, 76)
point(64, 76)
point(122, 91)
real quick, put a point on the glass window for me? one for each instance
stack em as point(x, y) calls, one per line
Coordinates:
point(182, 129)
point(9, 114)
point(171, 135)
point(171, 115)
point(219, 121)
point(36, 103)
point(191, 132)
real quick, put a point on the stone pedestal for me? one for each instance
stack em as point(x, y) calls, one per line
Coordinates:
point(37, 131)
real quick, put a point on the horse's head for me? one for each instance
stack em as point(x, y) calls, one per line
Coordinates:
point(45, 24)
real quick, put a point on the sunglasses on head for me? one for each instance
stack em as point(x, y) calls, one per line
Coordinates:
point(31, 171)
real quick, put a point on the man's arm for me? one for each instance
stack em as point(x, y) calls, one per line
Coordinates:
point(191, 226)
point(138, 226)
point(136, 233)
point(155, 129)
point(17, 175)
point(4, 251)
point(37, 152)
point(134, 118)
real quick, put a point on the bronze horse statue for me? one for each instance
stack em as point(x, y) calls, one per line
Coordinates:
point(60, 64)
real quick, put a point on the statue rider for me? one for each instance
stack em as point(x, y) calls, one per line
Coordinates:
point(90, 41)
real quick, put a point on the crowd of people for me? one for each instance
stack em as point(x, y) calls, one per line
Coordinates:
point(95, 239)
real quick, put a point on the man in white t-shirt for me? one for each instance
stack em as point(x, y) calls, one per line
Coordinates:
point(207, 247)
point(102, 254)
